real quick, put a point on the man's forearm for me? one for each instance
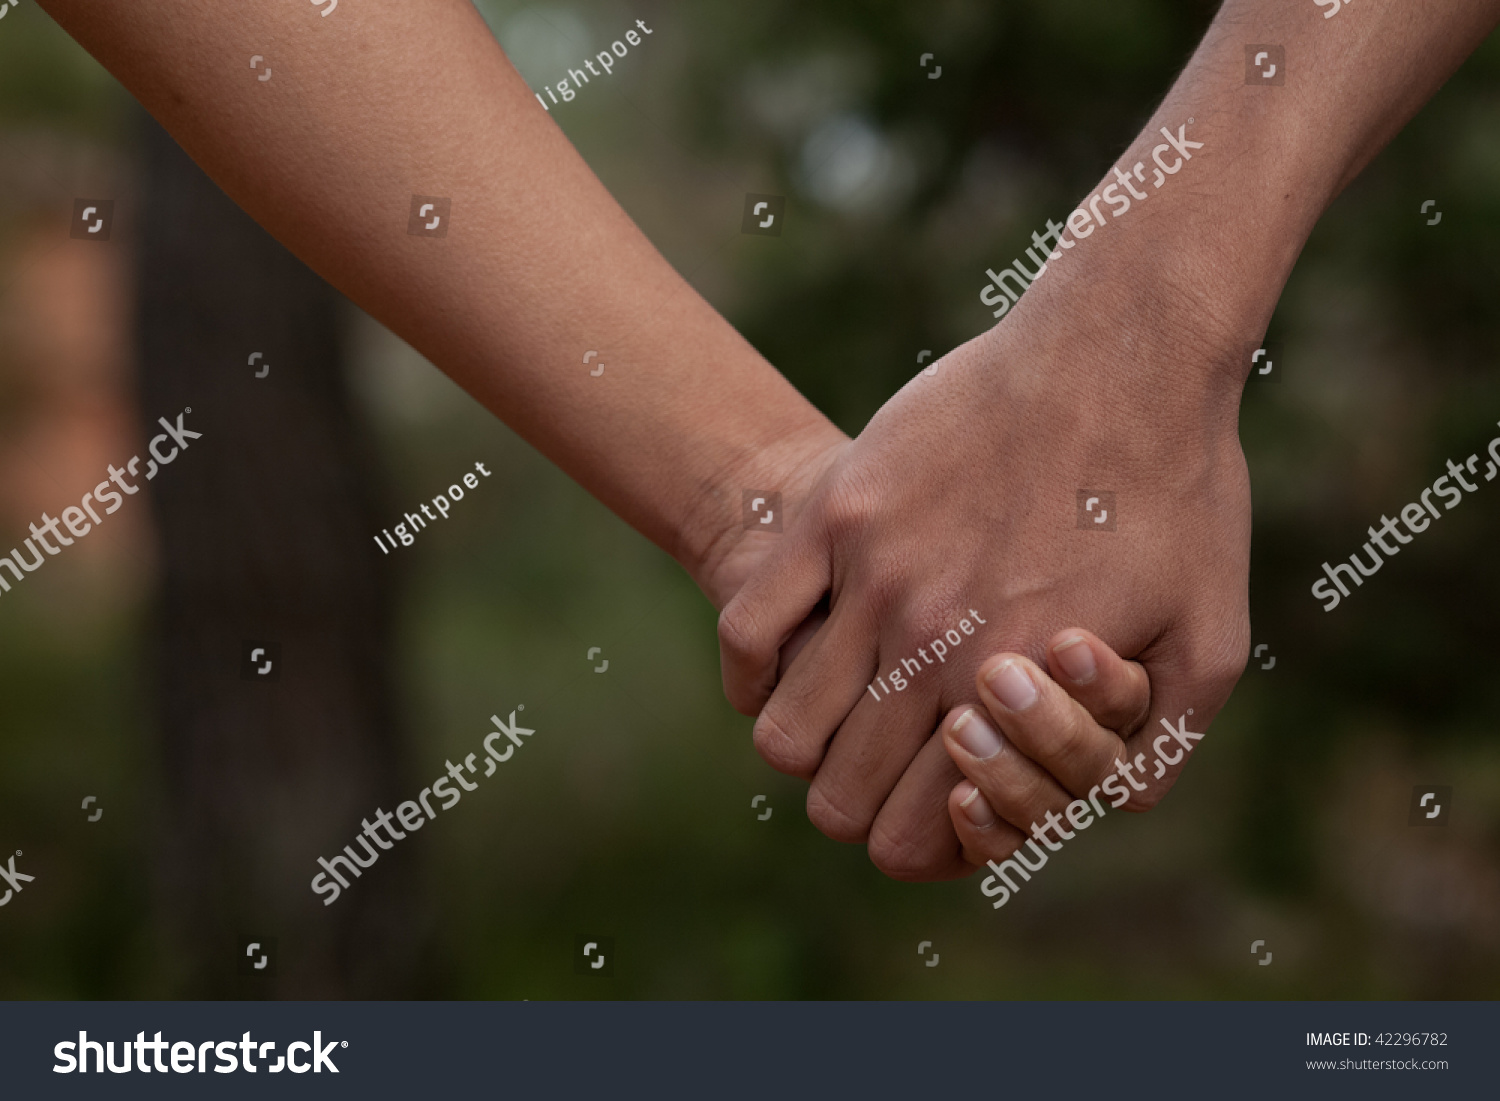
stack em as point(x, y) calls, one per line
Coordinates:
point(1282, 152)
point(1201, 260)
point(539, 266)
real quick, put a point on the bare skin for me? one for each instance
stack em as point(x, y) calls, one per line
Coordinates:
point(1085, 692)
point(373, 105)
point(1121, 369)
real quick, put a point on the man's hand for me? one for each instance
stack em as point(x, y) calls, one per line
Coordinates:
point(1119, 371)
point(963, 496)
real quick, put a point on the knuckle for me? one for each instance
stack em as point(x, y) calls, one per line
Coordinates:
point(903, 856)
point(1222, 671)
point(848, 511)
point(1069, 738)
point(782, 749)
point(882, 587)
point(1020, 796)
point(1218, 666)
point(1106, 769)
point(833, 821)
point(740, 637)
point(925, 624)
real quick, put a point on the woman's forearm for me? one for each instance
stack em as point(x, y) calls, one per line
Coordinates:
point(372, 111)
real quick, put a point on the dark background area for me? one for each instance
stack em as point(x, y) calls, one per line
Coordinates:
point(629, 814)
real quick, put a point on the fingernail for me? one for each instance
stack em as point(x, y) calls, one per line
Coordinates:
point(975, 735)
point(1076, 657)
point(976, 809)
point(1012, 687)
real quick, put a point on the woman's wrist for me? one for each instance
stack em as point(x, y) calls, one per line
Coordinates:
point(778, 458)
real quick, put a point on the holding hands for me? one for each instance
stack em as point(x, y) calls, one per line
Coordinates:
point(1030, 758)
point(960, 502)
point(1118, 373)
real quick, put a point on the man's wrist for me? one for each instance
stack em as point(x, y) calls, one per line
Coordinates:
point(1180, 261)
point(1145, 312)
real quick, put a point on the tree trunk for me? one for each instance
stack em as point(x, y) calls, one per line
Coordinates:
point(265, 529)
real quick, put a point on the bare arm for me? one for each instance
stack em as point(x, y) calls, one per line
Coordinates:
point(1118, 373)
point(378, 103)
point(1277, 155)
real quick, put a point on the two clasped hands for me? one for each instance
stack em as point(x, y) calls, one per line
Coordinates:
point(1120, 369)
point(957, 507)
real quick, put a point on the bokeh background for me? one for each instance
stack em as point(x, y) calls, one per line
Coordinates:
point(629, 815)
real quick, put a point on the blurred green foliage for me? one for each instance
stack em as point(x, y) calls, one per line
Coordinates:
point(629, 814)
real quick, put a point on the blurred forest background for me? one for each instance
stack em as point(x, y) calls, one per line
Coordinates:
point(629, 814)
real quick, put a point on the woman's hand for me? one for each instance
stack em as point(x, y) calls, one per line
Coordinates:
point(724, 550)
point(1025, 765)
